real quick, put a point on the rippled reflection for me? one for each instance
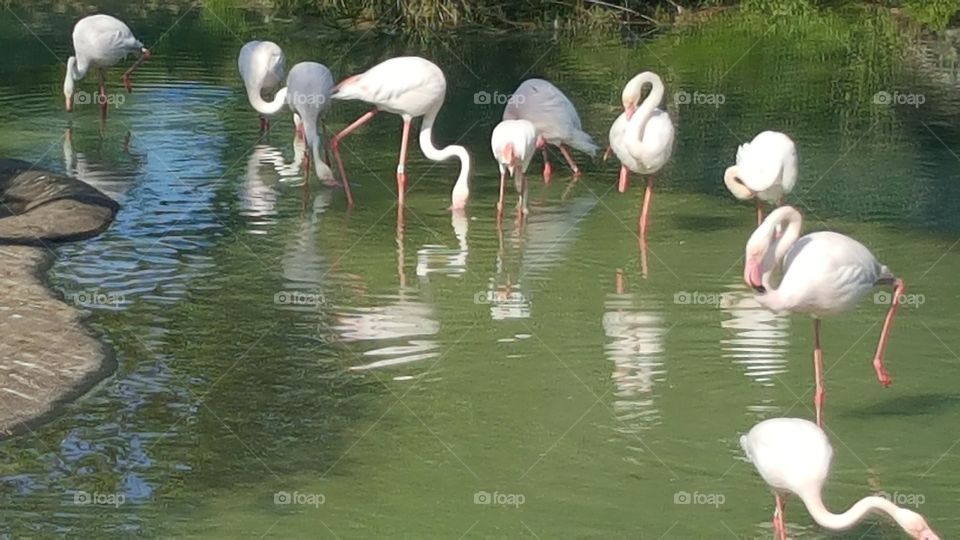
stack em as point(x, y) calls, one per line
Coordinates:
point(433, 258)
point(760, 338)
point(114, 180)
point(635, 327)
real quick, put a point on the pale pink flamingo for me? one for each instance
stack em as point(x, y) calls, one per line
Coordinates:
point(262, 67)
point(766, 170)
point(409, 86)
point(513, 143)
point(824, 273)
point(554, 117)
point(793, 455)
point(642, 137)
point(100, 41)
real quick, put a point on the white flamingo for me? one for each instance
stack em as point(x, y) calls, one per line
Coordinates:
point(554, 117)
point(793, 456)
point(642, 137)
point(409, 86)
point(824, 273)
point(766, 170)
point(262, 66)
point(513, 143)
point(100, 41)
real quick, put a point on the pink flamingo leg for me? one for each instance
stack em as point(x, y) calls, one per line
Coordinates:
point(624, 179)
point(547, 168)
point(103, 93)
point(503, 183)
point(882, 375)
point(264, 124)
point(573, 164)
point(126, 75)
point(645, 213)
point(522, 203)
point(326, 147)
point(335, 146)
point(401, 165)
point(759, 212)
point(779, 526)
point(820, 395)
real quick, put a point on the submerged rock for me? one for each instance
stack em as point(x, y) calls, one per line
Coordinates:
point(47, 356)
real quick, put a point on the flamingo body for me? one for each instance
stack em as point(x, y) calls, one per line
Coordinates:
point(658, 132)
point(766, 167)
point(309, 86)
point(551, 113)
point(514, 142)
point(99, 41)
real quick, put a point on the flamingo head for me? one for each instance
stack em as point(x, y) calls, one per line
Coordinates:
point(914, 524)
point(630, 96)
point(629, 109)
point(757, 248)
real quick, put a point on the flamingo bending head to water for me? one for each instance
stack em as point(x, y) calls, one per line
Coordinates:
point(100, 41)
point(262, 66)
point(824, 273)
point(513, 143)
point(409, 86)
point(793, 456)
point(766, 170)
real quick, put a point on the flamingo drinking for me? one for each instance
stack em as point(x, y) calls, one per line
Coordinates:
point(555, 119)
point(824, 273)
point(100, 41)
point(766, 170)
point(409, 86)
point(261, 65)
point(793, 456)
point(642, 137)
point(514, 143)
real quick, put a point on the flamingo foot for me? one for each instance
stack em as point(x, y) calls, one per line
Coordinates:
point(882, 375)
point(624, 179)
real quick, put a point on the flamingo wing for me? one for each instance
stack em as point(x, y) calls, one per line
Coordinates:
point(550, 111)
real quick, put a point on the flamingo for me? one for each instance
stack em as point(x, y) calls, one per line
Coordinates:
point(793, 456)
point(409, 86)
point(261, 66)
point(766, 170)
point(554, 117)
point(824, 273)
point(100, 41)
point(642, 137)
point(514, 143)
point(308, 94)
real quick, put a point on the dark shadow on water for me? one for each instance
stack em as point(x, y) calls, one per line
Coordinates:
point(702, 223)
point(919, 405)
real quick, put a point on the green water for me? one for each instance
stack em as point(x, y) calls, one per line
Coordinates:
point(587, 385)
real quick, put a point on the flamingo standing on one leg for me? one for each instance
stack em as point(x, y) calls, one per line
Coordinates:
point(100, 41)
point(555, 119)
point(308, 89)
point(262, 66)
point(642, 137)
point(514, 143)
point(824, 273)
point(793, 456)
point(409, 86)
point(766, 170)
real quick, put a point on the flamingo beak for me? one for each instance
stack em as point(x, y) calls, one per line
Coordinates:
point(629, 110)
point(606, 154)
point(753, 275)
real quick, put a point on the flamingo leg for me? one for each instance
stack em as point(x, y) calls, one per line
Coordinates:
point(645, 213)
point(126, 75)
point(401, 165)
point(547, 168)
point(624, 179)
point(779, 526)
point(503, 183)
point(759, 212)
point(882, 375)
point(264, 124)
point(820, 395)
point(335, 146)
point(570, 161)
point(607, 152)
point(523, 194)
point(103, 93)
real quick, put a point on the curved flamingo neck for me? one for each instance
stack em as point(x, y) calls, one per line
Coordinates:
point(638, 122)
point(263, 106)
point(461, 190)
point(851, 517)
point(777, 248)
point(733, 183)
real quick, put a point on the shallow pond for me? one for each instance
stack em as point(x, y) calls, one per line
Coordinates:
point(287, 368)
